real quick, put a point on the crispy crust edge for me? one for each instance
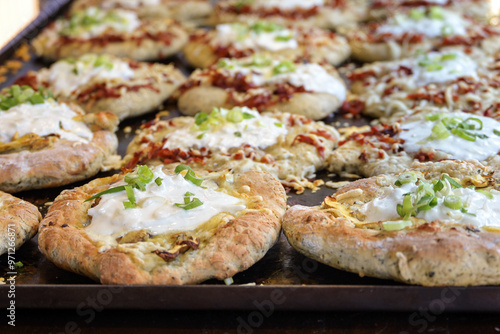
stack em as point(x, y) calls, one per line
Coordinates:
point(17, 216)
point(234, 247)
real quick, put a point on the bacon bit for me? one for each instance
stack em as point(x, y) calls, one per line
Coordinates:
point(298, 119)
point(404, 70)
point(324, 134)
point(100, 91)
point(390, 90)
point(363, 156)
point(438, 98)
point(424, 157)
point(256, 101)
point(383, 133)
point(311, 141)
point(164, 37)
point(267, 159)
point(188, 85)
point(353, 107)
point(361, 76)
point(285, 91)
point(232, 52)
point(180, 247)
point(31, 80)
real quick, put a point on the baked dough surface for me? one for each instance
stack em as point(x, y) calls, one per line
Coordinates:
point(18, 222)
point(204, 47)
point(151, 40)
point(224, 248)
point(52, 162)
point(149, 87)
point(293, 159)
point(221, 87)
point(430, 253)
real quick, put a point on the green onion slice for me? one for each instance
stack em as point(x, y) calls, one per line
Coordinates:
point(486, 193)
point(396, 225)
point(453, 202)
point(452, 182)
point(406, 177)
point(190, 175)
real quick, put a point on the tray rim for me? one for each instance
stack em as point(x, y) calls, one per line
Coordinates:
point(244, 297)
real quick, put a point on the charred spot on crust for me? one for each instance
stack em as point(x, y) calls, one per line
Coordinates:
point(180, 247)
point(64, 225)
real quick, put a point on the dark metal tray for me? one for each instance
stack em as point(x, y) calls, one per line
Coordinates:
point(283, 280)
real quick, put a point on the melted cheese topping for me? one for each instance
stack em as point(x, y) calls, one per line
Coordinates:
point(313, 77)
point(229, 134)
point(65, 77)
point(431, 27)
point(487, 211)
point(132, 4)
point(289, 4)
point(155, 209)
point(43, 119)
point(432, 68)
point(415, 134)
point(241, 37)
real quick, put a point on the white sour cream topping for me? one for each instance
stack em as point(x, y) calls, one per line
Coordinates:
point(223, 138)
point(241, 38)
point(155, 209)
point(123, 21)
point(313, 77)
point(416, 132)
point(65, 77)
point(42, 119)
point(289, 4)
point(487, 210)
point(430, 27)
point(132, 4)
point(431, 68)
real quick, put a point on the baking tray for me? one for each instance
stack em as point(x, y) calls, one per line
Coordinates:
point(283, 280)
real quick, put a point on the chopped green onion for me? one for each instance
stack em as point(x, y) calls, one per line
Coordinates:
point(107, 191)
point(283, 38)
point(200, 118)
point(247, 115)
point(436, 13)
point(463, 134)
point(406, 177)
point(448, 56)
point(434, 117)
point(486, 193)
point(237, 134)
point(228, 281)
point(447, 30)
point(453, 202)
point(158, 181)
point(396, 225)
point(439, 131)
point(279, 124)
point(463, 210)
point(234, 115)
point(18, 264)
point(189, 203)
point(495, 131)
point(417, 14)
point(438, 185)
point(452, 182)
point(285, 66)
point(190, 175)
point(224, 63)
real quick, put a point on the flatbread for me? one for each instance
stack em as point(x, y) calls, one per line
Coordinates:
point(244, 39)
point(122, 86)
point(328, 14)
point(293, 149)
point(456, 249)
point(380, 9)
point(422, 136)
point(224, 245)
point(116, 32)
point(50, 144)
point(193, 11)
point(294, 86)
point(412, 31)
point(451, 78)
point(18, 222)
